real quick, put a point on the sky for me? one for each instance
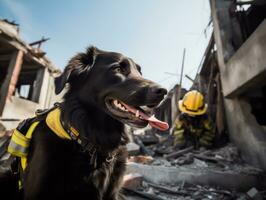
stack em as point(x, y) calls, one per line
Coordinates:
point(152, 32)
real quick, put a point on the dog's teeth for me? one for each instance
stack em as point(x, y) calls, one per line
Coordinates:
point(119, 105)
point(137, 113)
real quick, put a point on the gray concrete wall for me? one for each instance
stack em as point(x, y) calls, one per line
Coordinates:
point(245, 132)
point(47, 94)
point(17, 109)
point(240, 72)
point(247, 67)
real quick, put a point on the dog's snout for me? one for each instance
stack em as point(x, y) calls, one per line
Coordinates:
point(159, 90)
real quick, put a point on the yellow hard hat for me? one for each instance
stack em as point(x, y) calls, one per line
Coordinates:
point(193, 103)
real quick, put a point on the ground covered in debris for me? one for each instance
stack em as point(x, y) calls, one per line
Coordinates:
point(180, 192)
point(158, 171)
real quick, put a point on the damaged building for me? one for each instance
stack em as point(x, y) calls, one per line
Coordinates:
point(240, 46)
point(26, 76)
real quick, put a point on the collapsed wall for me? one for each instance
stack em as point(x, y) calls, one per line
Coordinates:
point(240, 38)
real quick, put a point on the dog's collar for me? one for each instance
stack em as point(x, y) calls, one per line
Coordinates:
point(56, 124)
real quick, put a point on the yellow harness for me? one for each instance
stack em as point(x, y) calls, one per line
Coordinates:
point(19, 143)
point(54, 123)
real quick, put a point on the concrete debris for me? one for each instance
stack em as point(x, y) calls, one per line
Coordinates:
point(161, 162)
point(187, 191)
point(143, 194)
point(143, 148)
point(227, 179)
point(149, 138)
point(253, 193)
point(132, 180)
point(141, 159)
point(183, 191)
point(200, 163)
point(193, 174)
point(179, 153)
point(184, 160)
point(133, 149)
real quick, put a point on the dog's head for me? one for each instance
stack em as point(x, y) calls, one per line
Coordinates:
point(113, 83)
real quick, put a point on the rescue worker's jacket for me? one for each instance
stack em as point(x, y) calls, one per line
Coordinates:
point(197, 131)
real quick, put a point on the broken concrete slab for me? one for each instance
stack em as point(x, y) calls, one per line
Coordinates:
point(228, 179)
point(253, 193)
point(2, 127)
point(133, 149)
point(141, 159)
point(132, 180)
point(135, 198)
point(149, 138)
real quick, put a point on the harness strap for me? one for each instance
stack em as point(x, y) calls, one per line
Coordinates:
point(29, 133)
point(54, 123)
point(19, 142)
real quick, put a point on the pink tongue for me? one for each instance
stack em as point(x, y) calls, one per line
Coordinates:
point(153, 121)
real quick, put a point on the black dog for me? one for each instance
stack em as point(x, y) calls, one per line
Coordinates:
point(106, 91)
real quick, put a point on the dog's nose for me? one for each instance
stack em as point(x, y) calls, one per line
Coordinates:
point(159, 91)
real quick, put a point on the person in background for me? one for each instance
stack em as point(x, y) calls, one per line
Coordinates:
point(193, 126)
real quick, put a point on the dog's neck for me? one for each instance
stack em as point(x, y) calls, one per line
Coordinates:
point(93, 124)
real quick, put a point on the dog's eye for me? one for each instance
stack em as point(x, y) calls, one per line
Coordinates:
point(117, 69)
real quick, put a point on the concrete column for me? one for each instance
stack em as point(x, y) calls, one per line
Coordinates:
point(222, 30)
point(247, 67)
point(6, 83)
point(44, 93)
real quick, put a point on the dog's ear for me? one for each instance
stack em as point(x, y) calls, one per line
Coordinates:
point(139, 68)
point(77, 65)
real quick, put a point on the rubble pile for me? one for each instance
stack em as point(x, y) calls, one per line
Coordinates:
point(190, 192)
point(160, 171)
point(182, 191)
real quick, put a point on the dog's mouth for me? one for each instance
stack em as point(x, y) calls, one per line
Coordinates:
point(134, 116)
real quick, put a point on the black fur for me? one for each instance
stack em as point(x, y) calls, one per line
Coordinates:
point(58, 168)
